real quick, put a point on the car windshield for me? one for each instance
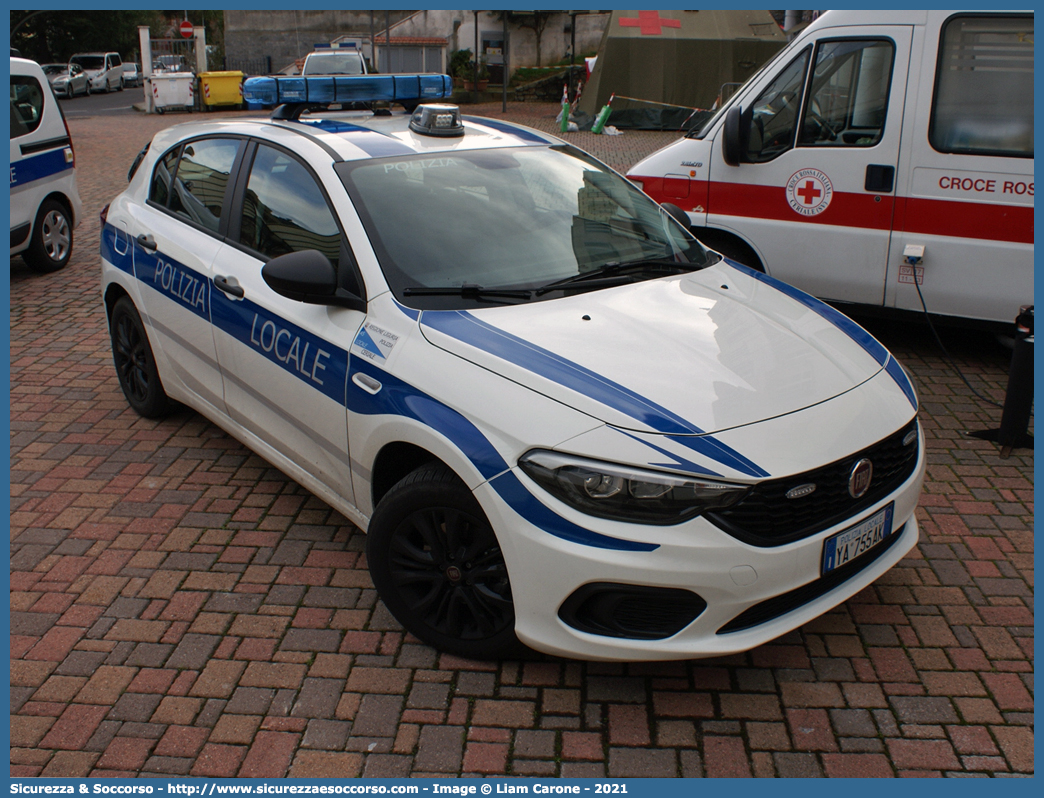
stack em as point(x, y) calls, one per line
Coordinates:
point(54, 69)
point(89, 61)
point(516, 219)
point(333, 64)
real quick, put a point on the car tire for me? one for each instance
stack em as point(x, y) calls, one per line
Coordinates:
point(120, 87)
point(52, 243)
point(135, 364)
point(457, 601)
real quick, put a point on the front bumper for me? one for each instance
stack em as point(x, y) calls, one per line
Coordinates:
point(730, 576)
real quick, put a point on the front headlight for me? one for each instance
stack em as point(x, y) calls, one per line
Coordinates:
point(627, 494)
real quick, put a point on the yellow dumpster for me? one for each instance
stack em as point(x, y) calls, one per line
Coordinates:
point(221, 88)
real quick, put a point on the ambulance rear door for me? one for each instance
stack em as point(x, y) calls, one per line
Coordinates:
point(968, 187)
point(814, 157)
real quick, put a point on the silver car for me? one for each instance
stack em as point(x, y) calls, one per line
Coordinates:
point(132, 75)
point(67, 80)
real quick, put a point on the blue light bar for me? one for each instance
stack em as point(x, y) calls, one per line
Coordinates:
point(331, 89)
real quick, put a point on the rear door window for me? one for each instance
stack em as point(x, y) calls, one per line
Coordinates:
point(983, 101)
point(27, 105)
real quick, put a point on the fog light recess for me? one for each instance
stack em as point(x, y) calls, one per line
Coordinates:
point(634, 612)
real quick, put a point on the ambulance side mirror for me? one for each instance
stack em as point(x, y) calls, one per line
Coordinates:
point(736, 135)
point(308, 276)
point(677, 214)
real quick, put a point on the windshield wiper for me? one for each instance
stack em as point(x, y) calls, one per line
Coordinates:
point(614, 272)
point(468, 291)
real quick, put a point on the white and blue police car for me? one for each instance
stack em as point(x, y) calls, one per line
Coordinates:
point(559, 418)
point(45, 200)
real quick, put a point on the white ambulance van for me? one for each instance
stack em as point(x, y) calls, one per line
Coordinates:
point(882, 158)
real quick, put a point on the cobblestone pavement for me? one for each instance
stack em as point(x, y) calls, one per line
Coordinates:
point(178, 606)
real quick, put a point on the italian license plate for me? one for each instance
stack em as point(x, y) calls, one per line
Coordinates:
point(846, 546)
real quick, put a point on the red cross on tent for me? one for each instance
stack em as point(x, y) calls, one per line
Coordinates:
point(650, 22)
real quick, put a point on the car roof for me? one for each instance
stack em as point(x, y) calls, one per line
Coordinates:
point(363, 136)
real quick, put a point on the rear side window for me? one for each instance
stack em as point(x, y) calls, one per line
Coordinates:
point(201, 180)
point(194, 186)
point(163, 177)
point(983, 100)
point(284, 209)
point(27, 105)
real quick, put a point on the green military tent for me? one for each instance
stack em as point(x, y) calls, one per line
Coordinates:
point(655, 60)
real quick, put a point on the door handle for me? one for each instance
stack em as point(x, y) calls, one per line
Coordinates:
point(229, 285)
point(147, 242)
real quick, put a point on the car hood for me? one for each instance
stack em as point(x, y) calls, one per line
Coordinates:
point(699, 353)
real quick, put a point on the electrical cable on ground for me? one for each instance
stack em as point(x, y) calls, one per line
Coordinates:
point(946, 355)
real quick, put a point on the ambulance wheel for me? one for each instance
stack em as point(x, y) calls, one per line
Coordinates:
point(52, 242)
point(135, 363)
point(438, 567)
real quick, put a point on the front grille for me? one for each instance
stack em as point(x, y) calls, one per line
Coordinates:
point(766, 517)
point(777, 606)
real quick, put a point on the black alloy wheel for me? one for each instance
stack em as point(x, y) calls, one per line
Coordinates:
point(134, 361)
point(439, 569)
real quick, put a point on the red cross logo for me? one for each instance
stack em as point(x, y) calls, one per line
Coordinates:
point(650, 22)
point(809, 192)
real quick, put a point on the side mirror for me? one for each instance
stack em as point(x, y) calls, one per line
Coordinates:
point(735, 135)
point(308, 276)
point(677, 213)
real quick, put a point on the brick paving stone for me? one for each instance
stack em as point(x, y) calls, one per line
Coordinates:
point(635, 763)
point(318, 698)
point(485, 758)
point(178, 606)
point(377, 716)
point(440, 749)
point(725, 758)
point(326, 765)
point(270, 755)
point(218, 761)
point(797, 766)
point(125, 753)
point(74, 727)
point(922, 754)
point(860, 766)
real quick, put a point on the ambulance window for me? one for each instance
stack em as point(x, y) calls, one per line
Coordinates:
point(201, 180)
point(848, 97)
point(983, 100)
point(775, 113)
point(284, 209)
point(27, 104)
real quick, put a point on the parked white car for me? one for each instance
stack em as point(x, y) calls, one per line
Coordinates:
point(45, 201)
point(105, 70)
point(559, 418)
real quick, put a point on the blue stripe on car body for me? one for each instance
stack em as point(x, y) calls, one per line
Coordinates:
point(374, 144)
point(506, 127)
point(843, 323)
point(37, 167)
point(468, 329)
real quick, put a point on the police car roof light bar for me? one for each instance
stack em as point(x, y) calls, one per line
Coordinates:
point(319, 91)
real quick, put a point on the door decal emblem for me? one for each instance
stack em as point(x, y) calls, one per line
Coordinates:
point(809, 192)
